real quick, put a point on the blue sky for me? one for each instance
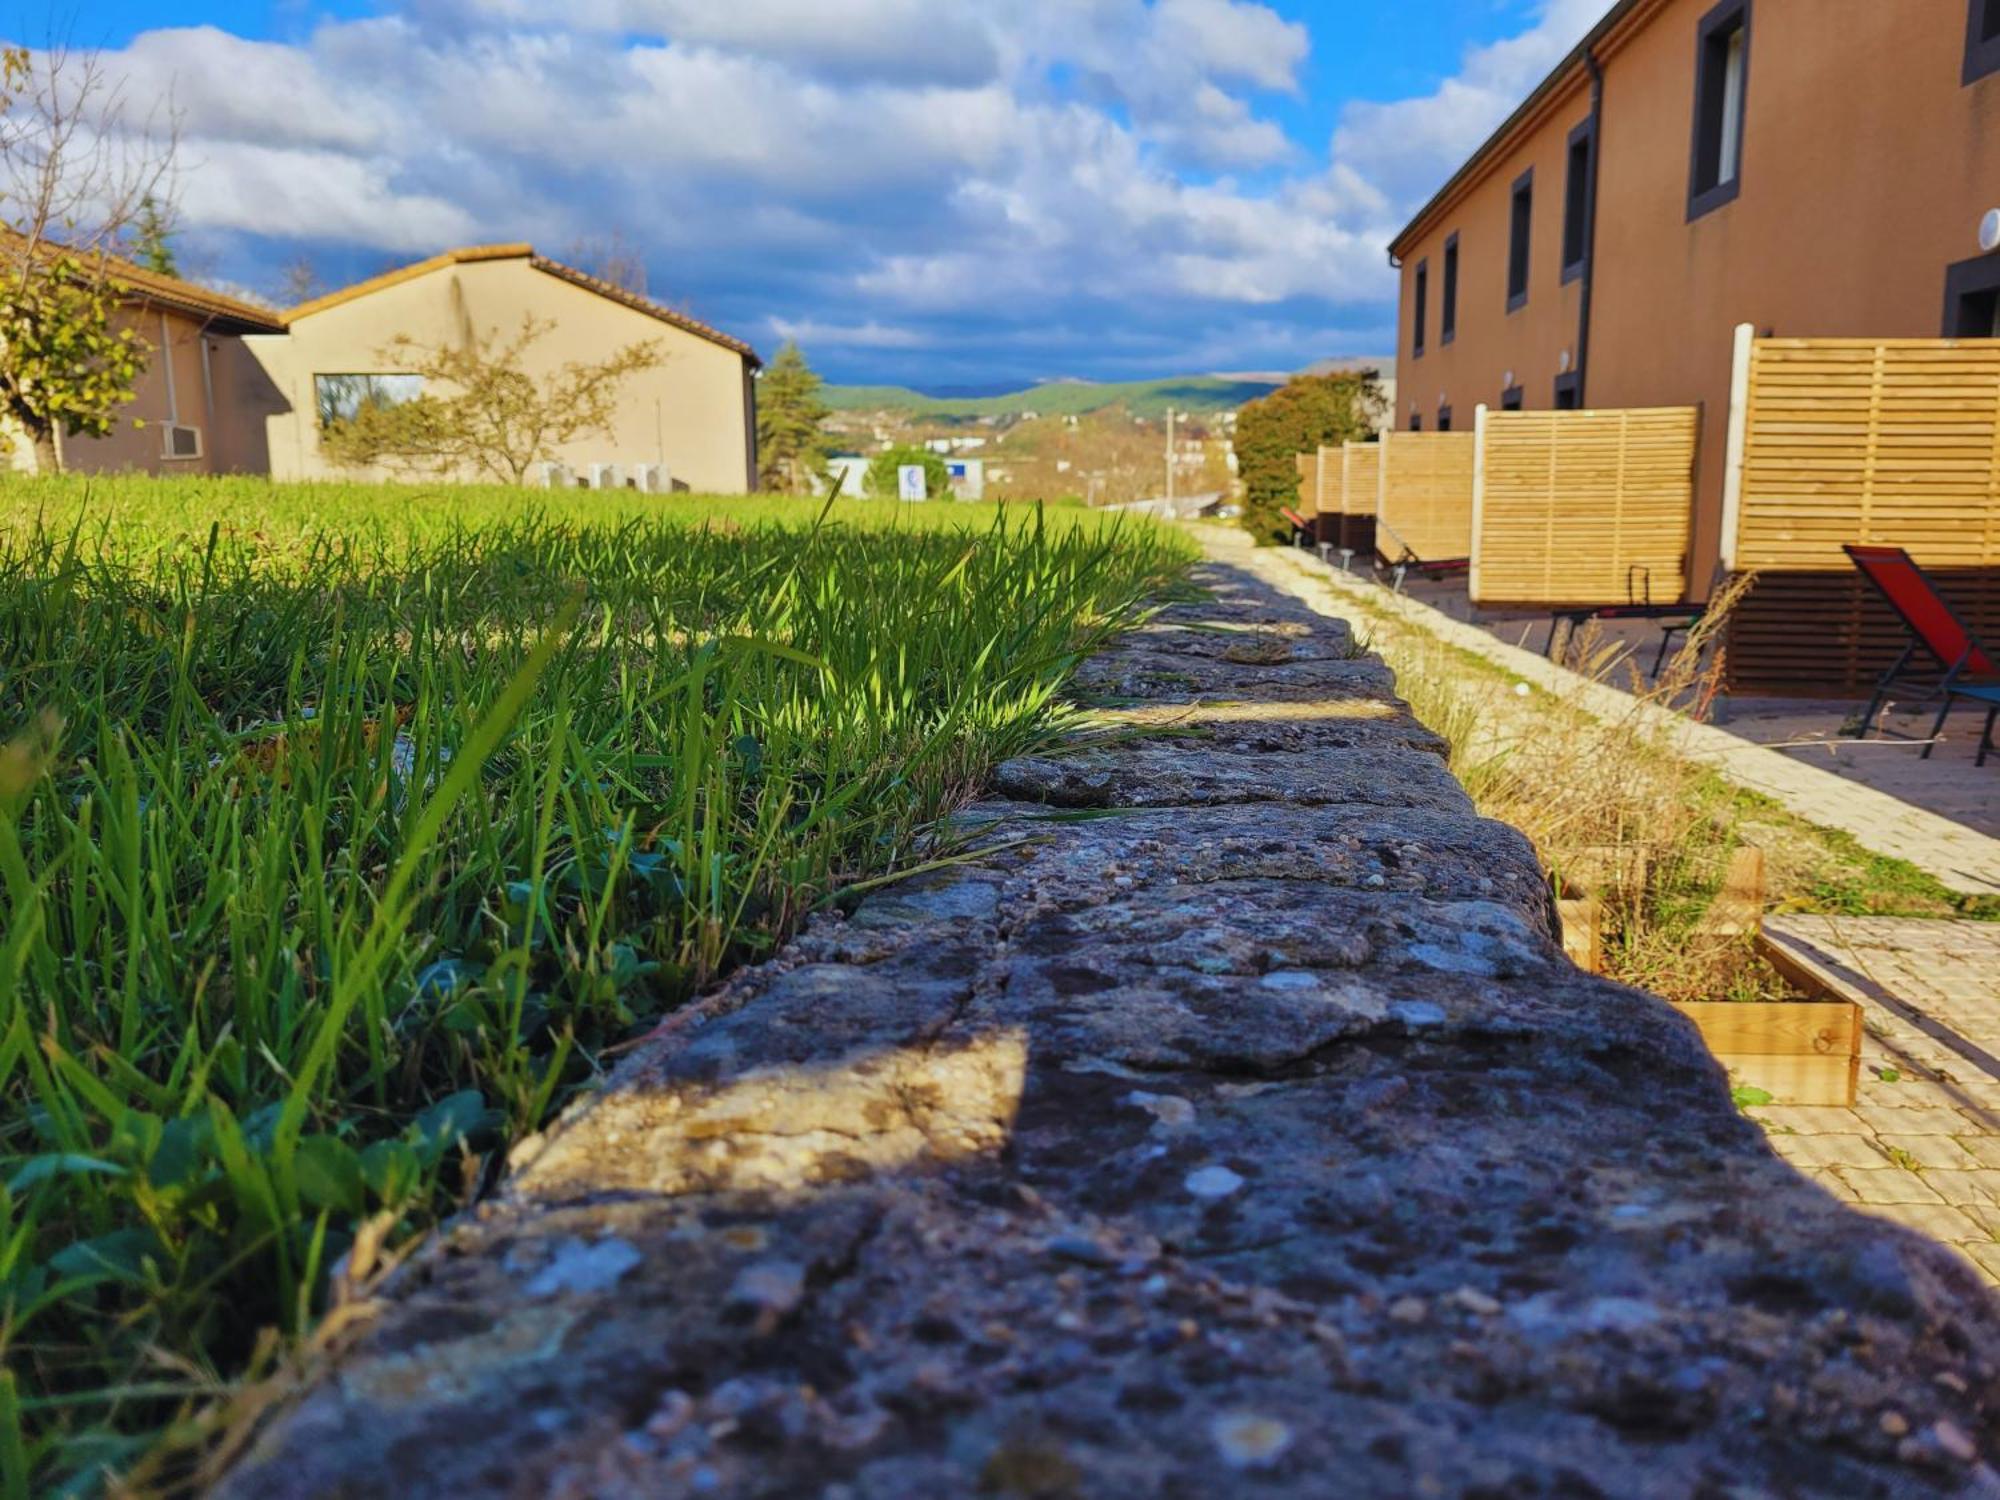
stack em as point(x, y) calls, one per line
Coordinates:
point(936, 192)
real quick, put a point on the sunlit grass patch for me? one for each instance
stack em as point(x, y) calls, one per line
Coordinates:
point(344, 831)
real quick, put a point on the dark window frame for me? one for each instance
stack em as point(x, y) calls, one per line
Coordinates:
point(1579, 188)
point(1726, 17)
point(1979, 277)
point(1520, 239)
point(1512, 399)
point(1420, 296)
point(1448, 305)
point(1444, 417)
point(1570, 385)
point(1416, 421)
point(1982, 50)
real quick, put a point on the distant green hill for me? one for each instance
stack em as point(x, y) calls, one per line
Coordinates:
point(1066, 398)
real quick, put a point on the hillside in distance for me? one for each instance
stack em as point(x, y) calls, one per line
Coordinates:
point(1065, 398)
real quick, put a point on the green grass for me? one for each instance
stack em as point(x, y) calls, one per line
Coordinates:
point(343, 830)
point(1578, 785)
point(1062, 398)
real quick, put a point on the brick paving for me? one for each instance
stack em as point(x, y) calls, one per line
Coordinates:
point(1922, 1143)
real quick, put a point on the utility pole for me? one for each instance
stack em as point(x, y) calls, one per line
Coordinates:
point(1170, 459)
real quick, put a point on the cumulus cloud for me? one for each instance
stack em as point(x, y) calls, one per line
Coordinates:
point(1408, 147)
point(913, 185)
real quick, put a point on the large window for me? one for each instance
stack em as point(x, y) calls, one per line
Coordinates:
point(1420, 298)
point(342, 398)
point(1576, 200)
point(1519, 234)
point(1982, 39)
point(1721, 77)
point(1448, 316)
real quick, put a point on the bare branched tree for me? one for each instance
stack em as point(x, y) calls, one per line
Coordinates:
point(82, 177)
point(474, 409)
point(611, 258)
point(298, 281)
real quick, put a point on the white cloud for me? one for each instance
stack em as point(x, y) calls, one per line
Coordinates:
point(1409, 147)
point(925, 177)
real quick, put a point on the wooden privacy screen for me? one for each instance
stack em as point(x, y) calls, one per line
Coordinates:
point(1887, 441)
point(1359, 477)
point(1426, 493)
point(1583, 507)
point(1326, 491)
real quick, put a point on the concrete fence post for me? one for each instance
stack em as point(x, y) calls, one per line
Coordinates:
point(1739, 426)
point(1478, 499)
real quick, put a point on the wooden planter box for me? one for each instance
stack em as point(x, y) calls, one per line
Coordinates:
point(1797, 1051)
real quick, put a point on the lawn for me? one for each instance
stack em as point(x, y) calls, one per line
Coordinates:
point(345, 831)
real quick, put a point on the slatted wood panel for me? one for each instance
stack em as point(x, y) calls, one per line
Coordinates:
point(1890, 441)
point(1585, 507)
point(1359, 476)
point(1426, 492)
point(1327, 492)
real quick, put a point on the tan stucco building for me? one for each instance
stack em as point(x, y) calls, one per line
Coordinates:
point(199, 405)
point(1815, 168)
point(692, 415)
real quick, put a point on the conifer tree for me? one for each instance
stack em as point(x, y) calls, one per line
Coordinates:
point(792, 448)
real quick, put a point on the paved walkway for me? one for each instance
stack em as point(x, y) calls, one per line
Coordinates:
point(1922, 1143)
point(1961, 858)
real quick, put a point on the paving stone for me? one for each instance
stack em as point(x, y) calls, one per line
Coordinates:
point(1984, 1149)
point(1889, 1185)
point(1964, 1188)
point(1808, 1151)
point(1808, 1119)
point(1945, 1224)
point(1929, 1150)
point(1881, 1121)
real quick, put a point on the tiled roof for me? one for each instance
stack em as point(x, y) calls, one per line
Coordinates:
point(470, 253)
point(158, 290)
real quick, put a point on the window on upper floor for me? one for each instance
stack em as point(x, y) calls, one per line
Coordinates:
point(1420, 299)
point(1448, 314)
point(1576, 200)
point(1982, 39)
point(1520, 233)
point(1721, 80)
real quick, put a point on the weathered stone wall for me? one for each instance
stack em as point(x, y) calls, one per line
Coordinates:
point(1251, 1136)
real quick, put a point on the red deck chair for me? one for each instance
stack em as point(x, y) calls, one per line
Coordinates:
point(1936, 630)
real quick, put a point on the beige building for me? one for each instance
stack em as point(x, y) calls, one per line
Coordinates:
point(199, 405)
point(688, 422)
